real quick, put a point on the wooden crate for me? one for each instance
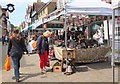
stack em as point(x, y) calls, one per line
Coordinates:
point(58, 67)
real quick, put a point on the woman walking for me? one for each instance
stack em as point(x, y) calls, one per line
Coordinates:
point(16, 48)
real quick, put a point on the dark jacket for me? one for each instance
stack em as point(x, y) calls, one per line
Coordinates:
point(16, 45)
point(42, 44)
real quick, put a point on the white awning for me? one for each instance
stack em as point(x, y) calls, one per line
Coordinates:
point(33, 26)
point(90, 7)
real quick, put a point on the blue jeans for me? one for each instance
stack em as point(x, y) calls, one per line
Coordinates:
point(16, 56)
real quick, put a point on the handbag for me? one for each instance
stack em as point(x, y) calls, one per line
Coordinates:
point(34, 45)
point(7, 64)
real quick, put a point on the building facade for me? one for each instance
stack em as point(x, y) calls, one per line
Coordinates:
point(61, 3)
point(34, 12)
point(107, 1)
point(22, 25)
point(0, 22)
point(0, 15)
point(5, 22)
point(27, 16)
point(39, 10)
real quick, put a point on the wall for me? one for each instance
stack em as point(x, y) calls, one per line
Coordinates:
point(47, 10)
point(0, 16)
point(51, 7)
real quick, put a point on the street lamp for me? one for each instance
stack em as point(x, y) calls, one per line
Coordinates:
point(10, 8)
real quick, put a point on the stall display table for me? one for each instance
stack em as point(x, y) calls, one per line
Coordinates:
point(95, 54)
point(60, 53)
point(88, 55)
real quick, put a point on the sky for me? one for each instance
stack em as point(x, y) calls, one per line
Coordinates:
point(18, 15)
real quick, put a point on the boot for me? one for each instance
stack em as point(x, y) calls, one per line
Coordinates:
point(17, 80)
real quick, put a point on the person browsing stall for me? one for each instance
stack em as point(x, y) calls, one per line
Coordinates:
point(43, 50)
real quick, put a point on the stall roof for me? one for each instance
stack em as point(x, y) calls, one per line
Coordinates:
point(116, 4)
point(49, 29)
point(89, 7)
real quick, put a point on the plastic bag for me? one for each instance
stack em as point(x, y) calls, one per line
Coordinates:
point(7, 64)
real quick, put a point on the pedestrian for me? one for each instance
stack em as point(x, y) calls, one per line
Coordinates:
point(16, 47)
point(43, 50)
point(98, 37)
point(3, 39)
point(6, 39)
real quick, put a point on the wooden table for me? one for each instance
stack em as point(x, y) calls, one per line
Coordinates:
point(83, 55)
point(60, 53)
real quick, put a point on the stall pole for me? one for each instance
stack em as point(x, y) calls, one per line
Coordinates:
point(108, 41)
point(113, 45)
point(66, 40)
point(28, 36)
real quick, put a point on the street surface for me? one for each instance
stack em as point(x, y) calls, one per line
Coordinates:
point(97, 72)
point(0, 54)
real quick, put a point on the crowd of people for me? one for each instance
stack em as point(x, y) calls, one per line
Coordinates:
point(5, 39)
point(78, 39)
point(17, 45)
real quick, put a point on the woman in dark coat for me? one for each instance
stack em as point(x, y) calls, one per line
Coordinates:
point(16, 48)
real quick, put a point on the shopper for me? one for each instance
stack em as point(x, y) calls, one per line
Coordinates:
point(16, 47)
point(43, 50)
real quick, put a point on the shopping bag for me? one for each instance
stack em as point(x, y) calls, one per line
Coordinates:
point(7, 64)
point(34, 45)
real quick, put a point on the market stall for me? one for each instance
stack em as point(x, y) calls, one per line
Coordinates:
point(60, 53)
point(94, 7)
point(82, 7)
point(88, 55)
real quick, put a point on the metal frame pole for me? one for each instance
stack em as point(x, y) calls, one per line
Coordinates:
point(108, 41)
point(65, 39)
point(28, 36)
point(113, 45)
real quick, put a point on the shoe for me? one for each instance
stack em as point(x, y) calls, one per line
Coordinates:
point(13, 77)
point(17, 80)
point(42, 73)
point(44, 69)
point(20, 73)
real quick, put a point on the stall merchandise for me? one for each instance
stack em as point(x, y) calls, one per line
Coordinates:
point(88, 55)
